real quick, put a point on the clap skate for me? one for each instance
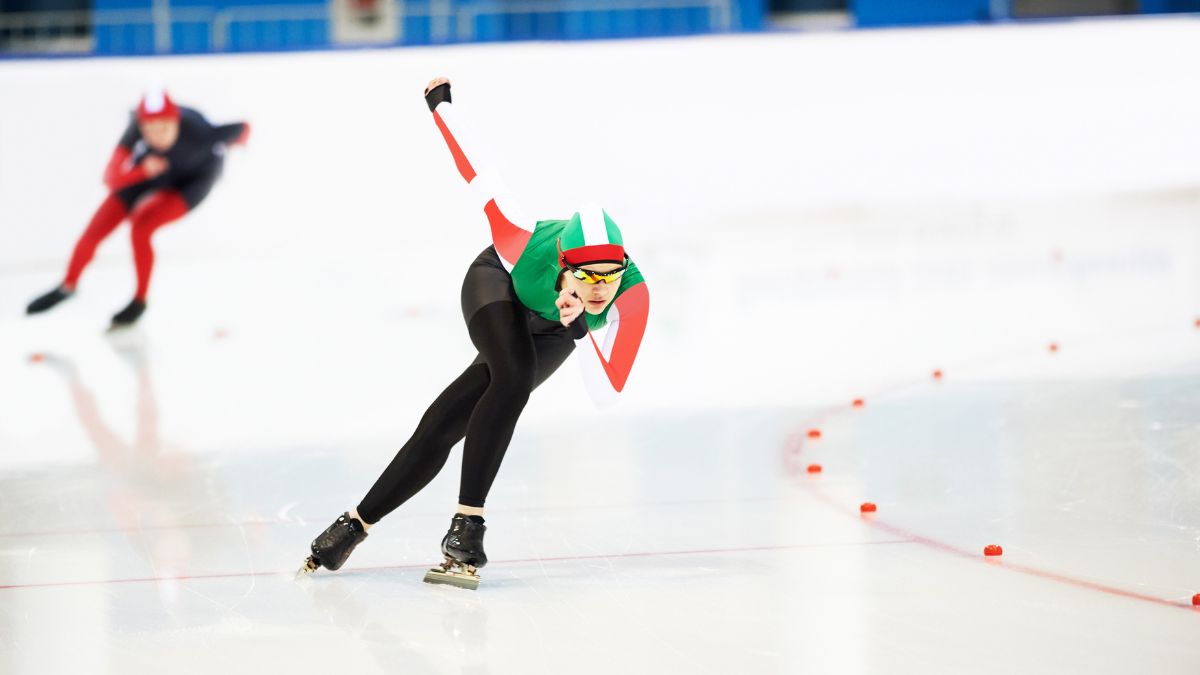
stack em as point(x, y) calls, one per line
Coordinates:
point(332, 547)
point(463, 548)
point(47, 300)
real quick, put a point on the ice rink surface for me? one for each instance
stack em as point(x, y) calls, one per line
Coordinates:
point(857, 227)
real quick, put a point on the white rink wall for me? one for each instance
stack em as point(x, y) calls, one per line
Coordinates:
point(670, 135)
point(861, 207)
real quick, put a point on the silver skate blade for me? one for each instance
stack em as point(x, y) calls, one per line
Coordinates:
point(438, 575)
point(307, 568)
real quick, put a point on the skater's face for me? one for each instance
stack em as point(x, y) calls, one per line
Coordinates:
point(160, 134)
point(596, 296)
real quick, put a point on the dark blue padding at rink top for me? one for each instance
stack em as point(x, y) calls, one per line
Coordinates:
point(1169, 6)
point(876, 13)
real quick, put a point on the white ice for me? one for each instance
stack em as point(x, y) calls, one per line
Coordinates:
point(820, 218)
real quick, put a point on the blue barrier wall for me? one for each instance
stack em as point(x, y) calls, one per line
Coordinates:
point(582, 25)
point(192, 26)
point(915, 12)
point(198, 26)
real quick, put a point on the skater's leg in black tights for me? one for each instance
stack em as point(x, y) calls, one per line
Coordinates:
point(484, 448)
point(483, 403)
point(422, 457)
point(487, 398)
point(500, 331)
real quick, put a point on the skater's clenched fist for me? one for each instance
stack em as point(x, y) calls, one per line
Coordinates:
point(569, 306)
point(436, 92)
point(154, 165)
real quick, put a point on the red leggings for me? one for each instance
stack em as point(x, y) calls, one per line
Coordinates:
point(151, 213)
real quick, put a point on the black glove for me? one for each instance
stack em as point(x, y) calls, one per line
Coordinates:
point(437, 95)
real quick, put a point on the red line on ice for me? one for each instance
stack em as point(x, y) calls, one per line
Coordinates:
point(820, 416)
point(1023, 569)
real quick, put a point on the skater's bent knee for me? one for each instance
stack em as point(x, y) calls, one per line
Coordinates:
point(515, 378)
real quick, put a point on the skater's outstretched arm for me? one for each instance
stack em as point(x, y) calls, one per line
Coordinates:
point(232, 134)
point(606, 367)
point(510, 231)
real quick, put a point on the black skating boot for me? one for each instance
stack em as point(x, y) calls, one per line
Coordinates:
point(129, 316)
point(464, 541)
point(332, 547)
point(48, 300)
point(463, 548)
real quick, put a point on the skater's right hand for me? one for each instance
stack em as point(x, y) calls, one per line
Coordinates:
point(154, 165)
point(569, 306)
point(435, 83)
